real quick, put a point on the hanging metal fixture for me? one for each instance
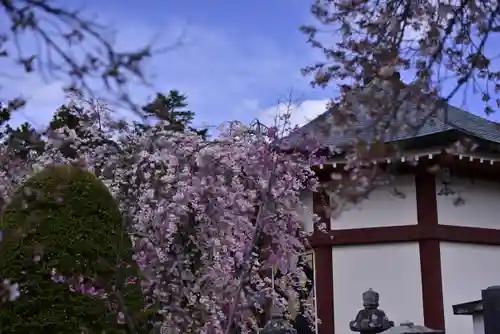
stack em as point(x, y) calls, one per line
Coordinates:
point(446, 181)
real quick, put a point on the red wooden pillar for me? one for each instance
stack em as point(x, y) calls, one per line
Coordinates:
point(323, 268)
point(430, 253)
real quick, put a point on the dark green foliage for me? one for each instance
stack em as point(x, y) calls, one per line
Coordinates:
point(5, 115)
point(66, 116)
point(172, 108)
point(20, 140)
point(72, 118)
point(68, 216)
point(23, 139)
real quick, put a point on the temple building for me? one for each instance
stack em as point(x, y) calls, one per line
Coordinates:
point(425, 242)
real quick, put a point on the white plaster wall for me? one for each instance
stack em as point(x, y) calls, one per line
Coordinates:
point(391, 270)
point(481, 207)
point(382, 208)
point(466, 270)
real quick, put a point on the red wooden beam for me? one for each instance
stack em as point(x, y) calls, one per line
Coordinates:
point(471, 235)
point(406, 233)
point(369, 235)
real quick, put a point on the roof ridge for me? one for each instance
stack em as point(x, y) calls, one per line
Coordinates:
point(455, 118)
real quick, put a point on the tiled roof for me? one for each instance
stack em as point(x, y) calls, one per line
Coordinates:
point(456, 119)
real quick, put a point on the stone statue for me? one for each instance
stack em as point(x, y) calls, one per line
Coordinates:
point(370, 320)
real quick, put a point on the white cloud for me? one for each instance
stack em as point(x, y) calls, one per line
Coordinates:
point(42, 98)
point(300, 113)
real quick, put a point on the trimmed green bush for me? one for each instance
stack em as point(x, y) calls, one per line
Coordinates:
point(68, 217)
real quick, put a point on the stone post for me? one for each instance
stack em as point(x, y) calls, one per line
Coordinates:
point(491, 309)
point(278, 324)
point(408, 327)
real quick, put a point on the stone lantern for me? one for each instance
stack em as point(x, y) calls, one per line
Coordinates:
point(370, 320)
point(409, 328)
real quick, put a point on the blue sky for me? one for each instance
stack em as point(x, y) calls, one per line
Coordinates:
point(237, 59)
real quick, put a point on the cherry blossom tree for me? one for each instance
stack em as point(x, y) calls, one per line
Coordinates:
point(395, 66)
point(209, 219)
point(398, 63)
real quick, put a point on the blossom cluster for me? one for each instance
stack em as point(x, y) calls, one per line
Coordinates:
point(208, 218)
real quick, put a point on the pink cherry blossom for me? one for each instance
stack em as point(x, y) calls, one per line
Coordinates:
point(206, 217)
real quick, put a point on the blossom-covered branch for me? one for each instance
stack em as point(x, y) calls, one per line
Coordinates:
point(399, 63)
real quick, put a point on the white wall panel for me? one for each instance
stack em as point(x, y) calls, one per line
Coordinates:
point(391, 270)
point(481, 207)
point(466, 270)
point(382, 208)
